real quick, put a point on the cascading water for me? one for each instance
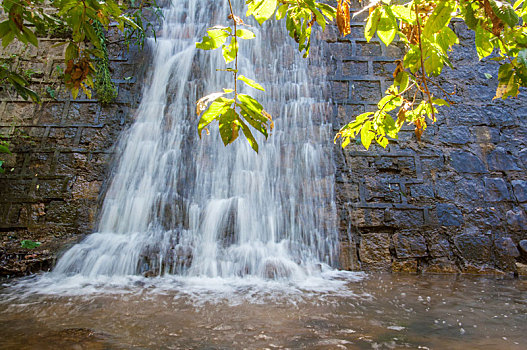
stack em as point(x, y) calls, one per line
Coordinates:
point(180, 205)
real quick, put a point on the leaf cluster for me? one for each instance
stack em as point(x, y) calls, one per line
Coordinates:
point(27, 17)
point(423, 27)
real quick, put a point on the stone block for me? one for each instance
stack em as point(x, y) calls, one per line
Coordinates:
point(501, 160)
point(374, 252)
point(496, 190)
point(449, 215)
point(409, 244)
point(440, 266)
point(457, 135)
point(368, 49)
point(339, 90)
point(384, 68)
point(520, 190)
point(348, 259)
point(50, 113)
point(521, 269)
point(439, 247)
point(516, 219)
point(474, 248)
point(505, 247)
point(466, 162)
point(421, 191)
point(83, 189)
point(340, 50)
point(405, 217)
point(354, 68)
point(405, 266)
point(366, 91)
point(523, 248)
point(362, 217)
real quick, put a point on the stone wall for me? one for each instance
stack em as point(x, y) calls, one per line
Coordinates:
point(61, 150)
point(454, 202)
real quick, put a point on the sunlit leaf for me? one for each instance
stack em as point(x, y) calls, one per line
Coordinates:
point(251, 82)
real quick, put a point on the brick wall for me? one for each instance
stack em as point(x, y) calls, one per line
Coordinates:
point(61, 152)
point(457, 200)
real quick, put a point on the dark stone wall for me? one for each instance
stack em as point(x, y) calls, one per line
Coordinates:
point(61, 151)
point(454, 202)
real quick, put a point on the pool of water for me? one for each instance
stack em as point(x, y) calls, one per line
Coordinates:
point(355, 311)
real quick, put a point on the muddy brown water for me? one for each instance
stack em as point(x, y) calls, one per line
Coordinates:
point(377, 312)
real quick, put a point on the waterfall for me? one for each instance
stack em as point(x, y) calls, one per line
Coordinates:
point(178, 205)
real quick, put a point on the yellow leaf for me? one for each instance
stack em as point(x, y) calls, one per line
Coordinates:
point(343, 17)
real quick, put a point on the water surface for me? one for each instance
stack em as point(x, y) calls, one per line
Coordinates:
point(355, 311)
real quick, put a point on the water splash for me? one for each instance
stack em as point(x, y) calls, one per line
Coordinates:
point(189, 207)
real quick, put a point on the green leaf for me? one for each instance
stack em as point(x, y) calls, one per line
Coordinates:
point(72, 52)
point(4, 149)
point(381, 140)
point(215, 110)
point(262, 10)
point(507, 82)
point(30, 36)
point(251, 103)
point(439, 18)
point(214, 39)
point(412, 59)
point(228, 126)
point(402, 80)
point(249, 135)
point(28, 244)
point(282, 10)
point(230, 51)
point(387, 27)
point(251, 83)
point(470, 18)
point(389, 103)
point(390, 127)
point(245, 34)
point(404, 13)
point(366, 134)
point(484, 45)
point(446, 38)
point(505, 12)
point(372, 23)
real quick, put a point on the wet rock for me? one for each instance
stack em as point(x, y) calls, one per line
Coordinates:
point(501, 160)
point(409, 244)
point(505, 252)
point(449, 214)
point(374, 252)
point(348, 256)
point(405, 266)
point(523, 249)
point(506, 247)
point(456, 135)
point(481, 270)
point(516, 219)
point(521, 269)
point(466, 162)
point(439, 247)
point(520, 190)
point(440, 266)
point(474, 248)
point(496, 190)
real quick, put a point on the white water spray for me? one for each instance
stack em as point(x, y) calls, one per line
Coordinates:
point(184, 206)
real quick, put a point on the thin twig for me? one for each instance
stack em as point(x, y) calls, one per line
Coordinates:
point(423, 72)
point(235, 37)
